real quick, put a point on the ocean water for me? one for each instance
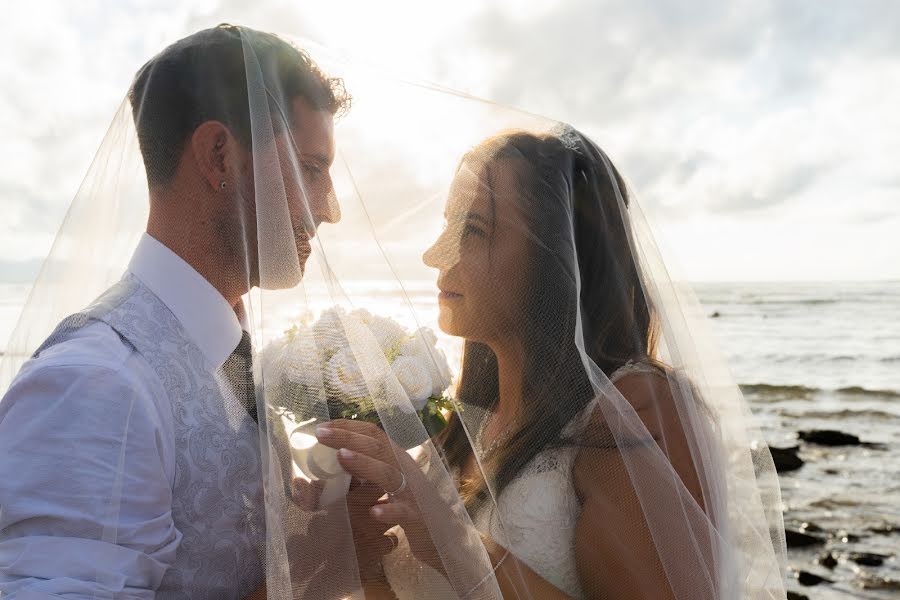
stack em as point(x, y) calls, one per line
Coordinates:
point(825, 356)
point(12, 297)
point(807, 356)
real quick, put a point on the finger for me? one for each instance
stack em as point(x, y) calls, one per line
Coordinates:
point(365, 467)
point(376, 446)
point(361, 427)
point(365, 494)
point(356, 442)
point(390, 513)
point(387, 544)
point(366, 527)
point(393, 540)
point(377, 545)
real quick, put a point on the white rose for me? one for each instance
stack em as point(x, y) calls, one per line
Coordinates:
point(301, 360)
point(268, 366)
point(426, 335)
point(422, 346)
point(361, 314)
point(414, 378)
point(343, 378)
point(329, 332)
point(387, 332)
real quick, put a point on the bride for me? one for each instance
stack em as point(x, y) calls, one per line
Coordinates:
point(590, 464)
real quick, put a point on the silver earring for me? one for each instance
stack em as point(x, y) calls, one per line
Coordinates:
point(222, 184)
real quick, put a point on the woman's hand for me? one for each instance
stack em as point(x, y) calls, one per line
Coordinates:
point(366, 452)
point(371, 540)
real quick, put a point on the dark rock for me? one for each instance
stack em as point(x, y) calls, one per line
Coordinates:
point(827, 560)
point(807, 527)
point(832, 472)
point(847, 538)
point(868, 559)
point(715, 315)
point(874, 445)
point(828, 437)
point(797, 539)
point(808, 579)
point(886, 529)
point(874, 582)
point(796, 596)
point(786, 459)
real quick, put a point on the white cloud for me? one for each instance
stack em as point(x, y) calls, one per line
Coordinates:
point(770, 122)
point(66, 69)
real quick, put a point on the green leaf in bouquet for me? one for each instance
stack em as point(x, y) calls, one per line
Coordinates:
point(393, 352)
point(434, 421)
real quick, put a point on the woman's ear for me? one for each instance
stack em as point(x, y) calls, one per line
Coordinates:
point(211, 145)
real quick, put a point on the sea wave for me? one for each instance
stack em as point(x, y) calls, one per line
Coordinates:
point(809, 357)
point(857, 390)
point(798, 391)
point(790, 301)
point(770, 389)
point(841, 414)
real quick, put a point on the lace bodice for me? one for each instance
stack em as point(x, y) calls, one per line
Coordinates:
point(537, 516)
point(534, 517)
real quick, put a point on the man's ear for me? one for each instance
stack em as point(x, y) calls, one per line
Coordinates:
point(212, 146)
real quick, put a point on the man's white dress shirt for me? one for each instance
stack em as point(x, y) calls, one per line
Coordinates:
point(120, 470)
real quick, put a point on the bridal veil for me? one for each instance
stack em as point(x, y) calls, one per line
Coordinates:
point(505, 256)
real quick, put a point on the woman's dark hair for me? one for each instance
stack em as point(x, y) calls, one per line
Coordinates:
point(203, 77)
point(567, 197)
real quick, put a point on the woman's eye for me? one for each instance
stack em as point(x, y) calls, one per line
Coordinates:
point(469, 230)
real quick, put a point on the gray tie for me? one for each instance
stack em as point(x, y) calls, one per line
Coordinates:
point(239, 371)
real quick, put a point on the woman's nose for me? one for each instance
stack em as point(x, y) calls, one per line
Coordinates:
point(429, 257)
point(443, 253)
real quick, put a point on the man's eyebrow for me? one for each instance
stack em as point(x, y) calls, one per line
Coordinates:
point(465, 216)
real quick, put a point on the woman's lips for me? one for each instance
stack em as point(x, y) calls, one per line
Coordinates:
point(444, 295)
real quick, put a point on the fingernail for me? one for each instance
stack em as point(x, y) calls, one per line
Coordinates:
point(377, 511)
point(323, 431)
point(346, 454)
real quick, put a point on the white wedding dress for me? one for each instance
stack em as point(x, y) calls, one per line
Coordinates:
point(538, 511)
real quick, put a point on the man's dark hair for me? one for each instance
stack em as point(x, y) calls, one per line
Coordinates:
point(203, 77)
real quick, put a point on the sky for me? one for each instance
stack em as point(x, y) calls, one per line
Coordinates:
point(762, 136)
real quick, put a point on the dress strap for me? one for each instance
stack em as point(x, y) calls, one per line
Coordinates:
point(633, 367)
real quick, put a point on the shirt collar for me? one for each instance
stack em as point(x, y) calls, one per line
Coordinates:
point(203, 312)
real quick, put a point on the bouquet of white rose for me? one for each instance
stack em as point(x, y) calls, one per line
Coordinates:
point(352, 365)
point(357, 365)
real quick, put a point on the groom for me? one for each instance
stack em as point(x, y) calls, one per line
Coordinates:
point(129, 452)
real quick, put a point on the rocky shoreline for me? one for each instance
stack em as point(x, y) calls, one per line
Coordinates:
point(828, 562)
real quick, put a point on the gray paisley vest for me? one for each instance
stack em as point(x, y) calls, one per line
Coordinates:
point(217, 496)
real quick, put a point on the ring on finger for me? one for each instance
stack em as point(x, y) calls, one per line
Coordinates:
point(400, 489)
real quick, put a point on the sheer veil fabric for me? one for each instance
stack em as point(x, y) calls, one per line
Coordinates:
point(596, 444)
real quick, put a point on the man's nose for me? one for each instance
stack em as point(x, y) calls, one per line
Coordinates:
point(327, 210)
